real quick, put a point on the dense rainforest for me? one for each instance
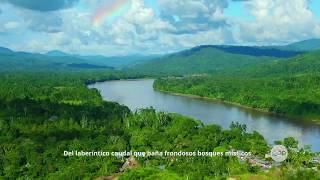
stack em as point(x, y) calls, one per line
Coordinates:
point(296, 95)
point(288, 86)
point(44, 114)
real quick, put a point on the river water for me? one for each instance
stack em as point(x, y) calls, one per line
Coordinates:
point(138, 94)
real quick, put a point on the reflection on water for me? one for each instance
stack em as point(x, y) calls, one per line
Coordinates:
point(138, 94)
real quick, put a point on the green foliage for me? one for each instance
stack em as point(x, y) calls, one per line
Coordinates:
point(282, 86)
point(306, 45)
point(302, 65)
point(294, 95)
point(38, 122)
point(45, 113)
point(61, 86)
point(152, 131)
point(37, 125)
point(149, 174)
point(32, 143)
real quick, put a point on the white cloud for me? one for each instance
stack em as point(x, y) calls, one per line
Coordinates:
point(278, 21)
point(139, 28)
point(11, 25)
point(179, 24)
point(194, 15)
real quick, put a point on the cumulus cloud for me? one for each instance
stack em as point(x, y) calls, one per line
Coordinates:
point(278, 21)
point(51, 23)
point(173, 26)
point(191, 16)
point(42, 5)
point(139, 29)
point(11, 25)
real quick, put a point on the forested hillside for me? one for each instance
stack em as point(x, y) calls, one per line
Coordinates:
point(297, 95)
point(205, 60)
point(257, 51)
point(303, 64)
point(289, 86)
point(229, 60)
point(306, 45)
point(113, 61)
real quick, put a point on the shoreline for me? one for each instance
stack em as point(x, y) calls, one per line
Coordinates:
point(296, 118)
point(316, 121)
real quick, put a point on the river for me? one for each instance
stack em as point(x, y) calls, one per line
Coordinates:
point(138, 94)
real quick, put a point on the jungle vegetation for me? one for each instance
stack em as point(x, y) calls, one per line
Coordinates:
point(44, 114)
point(289, 86)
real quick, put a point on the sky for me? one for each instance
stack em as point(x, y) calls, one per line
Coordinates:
point(124, 27)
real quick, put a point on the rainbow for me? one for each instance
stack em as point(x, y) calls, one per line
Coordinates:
point(110, 11)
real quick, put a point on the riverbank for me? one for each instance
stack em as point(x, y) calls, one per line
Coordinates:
point(302, 118)
point(138, 94)
point(265, 111)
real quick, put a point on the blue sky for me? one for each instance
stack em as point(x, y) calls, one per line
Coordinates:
point(238, 10)
point(121, 27)
point(315, 7)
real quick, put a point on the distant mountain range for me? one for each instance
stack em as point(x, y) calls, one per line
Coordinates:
point(306, 45)
point(11, 60)
point(5, 50)
point(113, 61)
point(200, 59)
point(214, 59)
point(204, 59)
point(308, 63)
point(57, 53)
